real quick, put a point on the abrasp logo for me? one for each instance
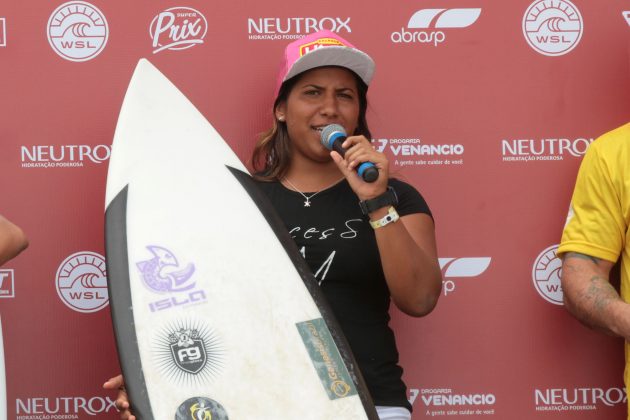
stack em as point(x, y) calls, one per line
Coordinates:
point(424, 26)
point(455, 268)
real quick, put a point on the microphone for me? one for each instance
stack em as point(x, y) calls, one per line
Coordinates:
point(332, 137)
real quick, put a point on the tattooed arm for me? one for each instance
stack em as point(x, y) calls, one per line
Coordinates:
point(590, 297)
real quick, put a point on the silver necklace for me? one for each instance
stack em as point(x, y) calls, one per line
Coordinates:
point(307, 198)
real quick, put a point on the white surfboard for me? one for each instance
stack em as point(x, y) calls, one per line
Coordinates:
point(216, 315)
point(3, 380)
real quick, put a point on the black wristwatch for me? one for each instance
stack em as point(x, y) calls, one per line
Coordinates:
point(388, 198)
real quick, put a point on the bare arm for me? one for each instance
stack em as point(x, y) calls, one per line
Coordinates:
point(409, 257)
point(590, 297)
point(12, 240)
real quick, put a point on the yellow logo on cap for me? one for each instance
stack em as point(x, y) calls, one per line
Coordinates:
point(322, 42)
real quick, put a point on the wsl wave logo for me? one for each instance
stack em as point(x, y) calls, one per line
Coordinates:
point(201, 408)
point(552, 27)
point(546, 275)
point(81, 282)
point(274, 28)
point(77, 31)
point(64, 156)
point(188, 352)
point(178, 28)
point(426, 26)
point(459, 268)
point(411, 152)
point(163, 274)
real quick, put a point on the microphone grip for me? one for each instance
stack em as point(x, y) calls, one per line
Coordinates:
point(366, 170)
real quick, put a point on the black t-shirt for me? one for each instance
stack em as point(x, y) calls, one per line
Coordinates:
point(339, 246)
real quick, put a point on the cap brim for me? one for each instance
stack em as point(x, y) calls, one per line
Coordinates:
point(350, 58)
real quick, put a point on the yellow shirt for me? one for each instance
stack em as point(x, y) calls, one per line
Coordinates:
point(599, 216)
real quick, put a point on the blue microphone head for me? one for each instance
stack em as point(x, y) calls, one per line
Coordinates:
point(330, 133)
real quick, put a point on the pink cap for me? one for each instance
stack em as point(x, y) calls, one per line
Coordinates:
point(323, 48)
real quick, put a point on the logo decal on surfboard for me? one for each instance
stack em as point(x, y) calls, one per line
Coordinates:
point(326, 359)
point(201, 408)
point(163, 274)
point(188, 351)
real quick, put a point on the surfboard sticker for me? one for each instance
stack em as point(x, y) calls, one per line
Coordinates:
point(208, 292)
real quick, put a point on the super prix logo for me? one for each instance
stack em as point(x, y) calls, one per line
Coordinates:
point(275, 28)
point(178, 28)
point(427, 26)
point(77, 31)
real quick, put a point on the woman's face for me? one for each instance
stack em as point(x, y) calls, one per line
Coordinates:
point(322, 96)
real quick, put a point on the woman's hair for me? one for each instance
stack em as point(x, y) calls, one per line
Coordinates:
point(272, 154)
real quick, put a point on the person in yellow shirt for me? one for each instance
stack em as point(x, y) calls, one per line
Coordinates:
point(12, 240)
point(596, 236)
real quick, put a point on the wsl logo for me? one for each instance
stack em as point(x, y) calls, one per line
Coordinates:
point(201, 408)
point(178, 28)
point(546, 275)
point(188, 351)
point(77, 31)
point(552, 27)
point(426, 25)
point(163, 274)
point(81, 282)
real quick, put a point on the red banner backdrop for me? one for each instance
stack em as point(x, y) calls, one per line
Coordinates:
point(486, 107)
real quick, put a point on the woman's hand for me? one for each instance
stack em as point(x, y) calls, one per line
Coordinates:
point(122, 401)
point(359, 150)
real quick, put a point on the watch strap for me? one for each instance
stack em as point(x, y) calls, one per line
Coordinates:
point(388, 198)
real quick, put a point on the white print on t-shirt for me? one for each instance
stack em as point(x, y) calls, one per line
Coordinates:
point(312, 232)
point(325, 266)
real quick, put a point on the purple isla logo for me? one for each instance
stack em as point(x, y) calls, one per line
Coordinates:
point(162, 273)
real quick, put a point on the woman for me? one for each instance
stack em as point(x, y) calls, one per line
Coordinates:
point(360, 254)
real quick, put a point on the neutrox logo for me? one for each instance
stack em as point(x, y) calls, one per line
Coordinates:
point(426, 26)
point(64, 156)
point(62, 407)
point(458, 268)
point(578, 399)
point(77, 31)
point(178, 28)
point(544, 149)
point(552, 27)
point(546, 275)
point(271, 28)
